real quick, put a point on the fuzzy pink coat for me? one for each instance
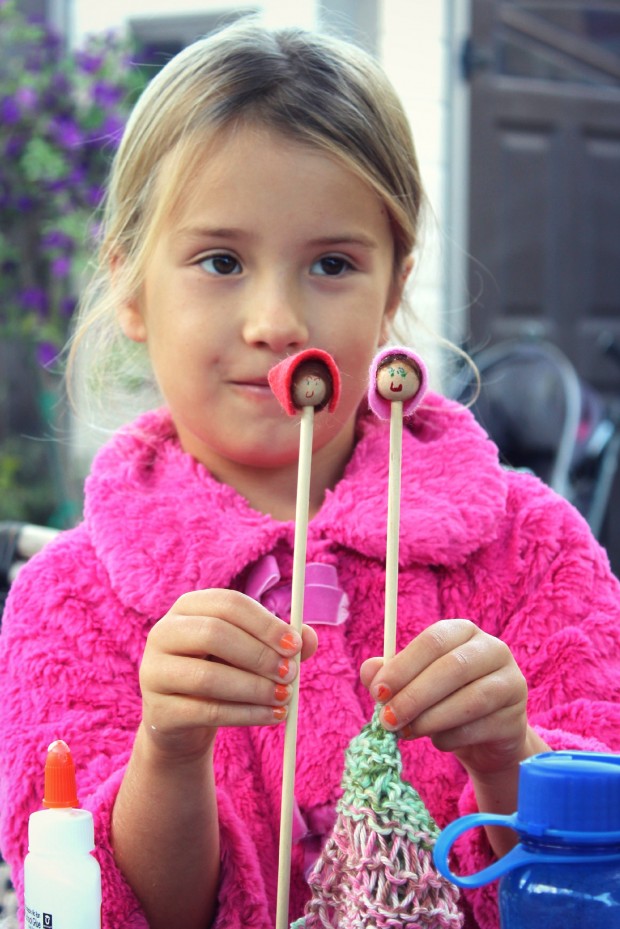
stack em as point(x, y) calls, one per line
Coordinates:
point(476, 541)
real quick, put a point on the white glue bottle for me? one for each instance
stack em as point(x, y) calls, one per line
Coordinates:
point(62, 879)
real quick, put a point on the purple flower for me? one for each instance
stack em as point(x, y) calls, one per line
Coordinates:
point(94, 195)
point(67, 307)
point(61, 267)
point(27, 98)
point(66, 132)
point(60, 83)
point(25, 204)
point(112, 127)
point(89, 62)
point(57, 239)
point(15, 146)
point(47, 353)
point(34, 299)
point(10, 112)
point(105, 94)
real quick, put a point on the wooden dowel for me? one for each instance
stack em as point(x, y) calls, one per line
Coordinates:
point(302, 508)
point(393, 529)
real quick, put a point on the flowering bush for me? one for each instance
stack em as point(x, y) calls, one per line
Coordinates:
point(61, 115)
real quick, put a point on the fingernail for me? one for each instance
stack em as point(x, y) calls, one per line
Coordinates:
point(390, 716)
point(383, 693)
point(290, 641)
point(283, 668)
point(407, 732)
point(282, 692)
point(280, 712)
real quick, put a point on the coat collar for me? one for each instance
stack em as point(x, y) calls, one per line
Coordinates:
point(162, 525)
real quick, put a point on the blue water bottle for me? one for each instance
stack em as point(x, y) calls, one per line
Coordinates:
point(565, 871)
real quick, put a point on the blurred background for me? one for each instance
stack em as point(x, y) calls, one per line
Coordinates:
point(515, 109)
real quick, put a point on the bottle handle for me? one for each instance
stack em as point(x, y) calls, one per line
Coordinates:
point(448, 836)
point(516, 857)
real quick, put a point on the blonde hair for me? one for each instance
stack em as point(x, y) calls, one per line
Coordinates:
point(312, 89)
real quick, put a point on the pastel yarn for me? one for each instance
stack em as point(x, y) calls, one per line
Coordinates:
point(376, 869)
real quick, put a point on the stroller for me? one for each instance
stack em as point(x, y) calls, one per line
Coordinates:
point(546, 420)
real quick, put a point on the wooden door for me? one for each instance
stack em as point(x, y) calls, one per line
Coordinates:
point(544, 232)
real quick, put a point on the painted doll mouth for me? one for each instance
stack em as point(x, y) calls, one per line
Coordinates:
point(396, 388)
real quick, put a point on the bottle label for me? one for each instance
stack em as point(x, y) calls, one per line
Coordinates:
point(37, 920)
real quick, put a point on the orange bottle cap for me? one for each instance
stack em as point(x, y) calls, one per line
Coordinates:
point(60, 785)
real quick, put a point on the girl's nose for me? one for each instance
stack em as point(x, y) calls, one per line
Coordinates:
point(276, 320)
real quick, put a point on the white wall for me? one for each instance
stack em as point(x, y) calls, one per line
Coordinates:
point(413, 50)
point(93, 17)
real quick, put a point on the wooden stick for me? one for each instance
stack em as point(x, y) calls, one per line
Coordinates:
point(393, 529)
point(297, 613)
point(397, 384)
point(303, 383)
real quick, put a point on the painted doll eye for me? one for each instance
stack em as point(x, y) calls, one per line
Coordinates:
point(221, 264)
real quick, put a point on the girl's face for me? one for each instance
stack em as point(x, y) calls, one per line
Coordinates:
point(276, 248)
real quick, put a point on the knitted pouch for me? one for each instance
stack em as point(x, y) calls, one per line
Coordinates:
point(377, 869)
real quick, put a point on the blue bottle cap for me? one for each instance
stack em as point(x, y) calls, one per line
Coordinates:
point(570, 797)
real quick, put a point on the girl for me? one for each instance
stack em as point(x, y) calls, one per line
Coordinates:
point(266, 199)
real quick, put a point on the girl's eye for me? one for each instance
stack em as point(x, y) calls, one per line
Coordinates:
point(331, 265)
point(221, 264)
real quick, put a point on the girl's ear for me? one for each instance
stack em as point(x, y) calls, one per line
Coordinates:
point(129, 312)
point(131, 319)
point(395, 296)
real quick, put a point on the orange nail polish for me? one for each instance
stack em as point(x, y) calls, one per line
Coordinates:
point(290, 641)
point(384, 693)
point(284, 668)
point(282, 692)
point(389, 716)
point(280, 712)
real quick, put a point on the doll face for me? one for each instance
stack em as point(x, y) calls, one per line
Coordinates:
point(397, 380)
point(275, 248)
point(311, 385)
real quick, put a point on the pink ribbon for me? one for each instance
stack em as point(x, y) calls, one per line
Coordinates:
point(325, 603)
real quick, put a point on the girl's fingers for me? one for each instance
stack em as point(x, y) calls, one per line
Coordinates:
point(191, 624)
point(441, 659)
point(469, 681)
point(230, 627)
point(214, 680)
point(448, 679)
point(178, 713)
point(220, 658)
point(485, 699)
point(444, 638)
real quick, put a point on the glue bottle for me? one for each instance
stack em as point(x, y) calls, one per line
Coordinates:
point(62, 878)
point(565, 871)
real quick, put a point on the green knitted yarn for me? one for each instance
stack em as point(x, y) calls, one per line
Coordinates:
point(377, 869)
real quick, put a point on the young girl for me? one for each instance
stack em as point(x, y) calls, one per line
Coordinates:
point(266, 199)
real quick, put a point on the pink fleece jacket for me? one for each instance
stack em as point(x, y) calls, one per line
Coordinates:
point(476, 541)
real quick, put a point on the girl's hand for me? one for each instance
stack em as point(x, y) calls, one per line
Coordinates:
point(217, 658)
point(461, 687)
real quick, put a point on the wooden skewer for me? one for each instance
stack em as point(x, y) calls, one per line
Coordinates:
point(310, 389)
point(400, 380)
point(393, 529)
point(297, 613)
